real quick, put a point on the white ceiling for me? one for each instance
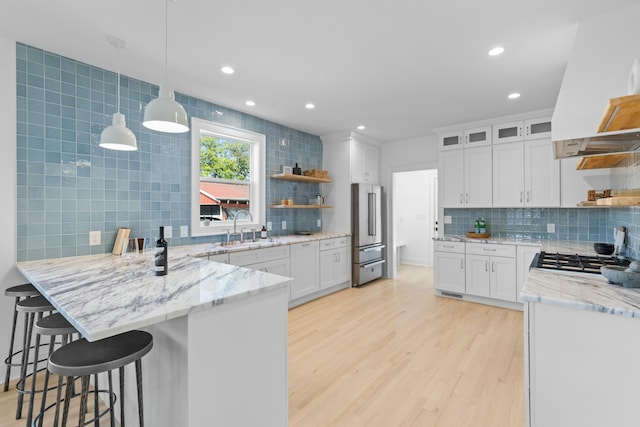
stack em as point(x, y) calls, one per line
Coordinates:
point(400, 67)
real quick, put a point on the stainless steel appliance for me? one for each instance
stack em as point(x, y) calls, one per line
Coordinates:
point(575, 263)
point(366, 233)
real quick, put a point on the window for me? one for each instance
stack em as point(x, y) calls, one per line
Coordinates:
point(227, 178)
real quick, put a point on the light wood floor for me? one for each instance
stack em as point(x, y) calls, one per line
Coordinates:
point(391, 353)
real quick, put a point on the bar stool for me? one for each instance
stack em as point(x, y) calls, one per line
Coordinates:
point(18, 292)
point(54, 325)
point(30, 307)
point(82, 358)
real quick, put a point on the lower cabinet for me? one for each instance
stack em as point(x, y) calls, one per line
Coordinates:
point(305, 268)
point(524, 255)
point(449, 266)
point(335, 261)
point(492, 276)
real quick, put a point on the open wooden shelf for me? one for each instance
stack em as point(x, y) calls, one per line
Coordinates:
point(300, 178)
point(301, 206)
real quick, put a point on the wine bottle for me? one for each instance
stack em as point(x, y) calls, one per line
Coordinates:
point(160, 255)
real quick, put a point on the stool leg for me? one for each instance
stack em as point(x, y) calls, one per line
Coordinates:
point(56, 418)
point(33, 380)
point(111, 402)
point(43, 405)
point(9, 360)
point(139, 384)
point(28, 323)
point(121, 375)
point(67, 401)
point(84, 394)
point(96, 400)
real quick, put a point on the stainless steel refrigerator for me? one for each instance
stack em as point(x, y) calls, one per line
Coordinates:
point(366, 233)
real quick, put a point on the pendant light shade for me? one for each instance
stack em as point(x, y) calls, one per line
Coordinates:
point(118, 136)
point(164, 114)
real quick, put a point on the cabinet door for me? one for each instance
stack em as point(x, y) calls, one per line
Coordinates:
point(364, 163)
point(343, 265)
point(508, 177)
point(451, 179)
point(478, 278)
point(537, 128)
point(448, 271)
point(477, 177)
point(477, 137)
point(281, 267)
point(305, 268)
point(541, 174)
point(327, 269)
point(503, 278)
point(450, 141)
point(508, 132)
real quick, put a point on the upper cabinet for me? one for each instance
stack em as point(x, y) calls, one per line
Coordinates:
point(468, 138)
point(465, 178)
point(451, 140)
point(365, 160)
point(522, 130)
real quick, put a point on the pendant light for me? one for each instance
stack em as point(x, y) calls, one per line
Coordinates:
point(118, 136)
point(164, 114)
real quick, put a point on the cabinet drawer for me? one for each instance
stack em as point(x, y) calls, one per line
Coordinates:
point(445, 246)
point(493, 250)
point(337, 242)
point(276, 252)
point(245, 257)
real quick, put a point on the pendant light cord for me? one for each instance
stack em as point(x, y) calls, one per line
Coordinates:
point(118, 83)
point(166, 38)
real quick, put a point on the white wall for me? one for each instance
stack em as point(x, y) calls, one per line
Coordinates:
point(9, 276)
point(414, 213)
point(598, 70)
point(402, 156)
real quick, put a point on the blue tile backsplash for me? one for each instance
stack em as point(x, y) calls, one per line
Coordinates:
point(575, 224)
point(68, 185)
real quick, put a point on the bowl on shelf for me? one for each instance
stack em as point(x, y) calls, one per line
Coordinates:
point(621, 276)
point(603, 248)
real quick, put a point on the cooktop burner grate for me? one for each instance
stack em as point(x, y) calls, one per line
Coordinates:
point(574, 262)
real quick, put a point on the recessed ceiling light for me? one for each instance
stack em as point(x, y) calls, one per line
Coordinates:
point(309, 106)
point(361, 127)
point(227, 70)
point(514, 95)
point(250, 103)
point(496, 51)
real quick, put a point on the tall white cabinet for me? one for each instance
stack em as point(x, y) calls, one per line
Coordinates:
point(350, 158)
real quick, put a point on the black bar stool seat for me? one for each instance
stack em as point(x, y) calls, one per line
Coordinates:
point(82, 358)
point(18, 292)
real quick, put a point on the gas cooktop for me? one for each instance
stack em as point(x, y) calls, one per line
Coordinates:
point(576, 263)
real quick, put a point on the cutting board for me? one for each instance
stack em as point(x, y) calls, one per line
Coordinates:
point(621, 113)
point(619, 201)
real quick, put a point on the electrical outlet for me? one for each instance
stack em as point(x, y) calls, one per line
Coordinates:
point(551, 228)
point(269, 226)
point(284, 225)
point(94, 238)
point(447, 219)
point(319, 223)
point(184, 231)
point(168, 232)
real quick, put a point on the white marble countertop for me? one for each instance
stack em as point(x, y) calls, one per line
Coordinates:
point(583, 291)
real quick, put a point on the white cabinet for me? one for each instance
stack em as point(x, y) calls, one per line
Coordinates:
point(522, 130)
point(491, 271)
point(465, 177)
point(526, 174)
point(524, 257)
point(335, 261)
point(477, 137)
point(305, 269)
point(449, 266)
point(364, 163)
point(451, 140)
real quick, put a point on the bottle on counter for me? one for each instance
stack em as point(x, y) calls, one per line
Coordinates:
point(263, 232)
point(477, 226)
point(160, 256)
point(483, 226)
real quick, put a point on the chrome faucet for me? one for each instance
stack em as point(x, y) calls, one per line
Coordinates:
point(235, 218)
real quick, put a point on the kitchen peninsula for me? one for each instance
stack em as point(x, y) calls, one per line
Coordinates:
point(220, 331)
point(581, 350)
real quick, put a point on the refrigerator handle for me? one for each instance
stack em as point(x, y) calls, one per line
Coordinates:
point(372, 214)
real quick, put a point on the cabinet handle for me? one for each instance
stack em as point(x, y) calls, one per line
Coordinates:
point(528, 195)
point(493, 267)
point(486, 266)
point(461, 264)
point(521, 197)
point(461, 200)
point(467, 198)
point(527, 129)
point(519, 130)
point(489, 249)
point(305, 244)
point(448, 246)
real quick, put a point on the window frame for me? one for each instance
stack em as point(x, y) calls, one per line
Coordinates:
point(257, 201)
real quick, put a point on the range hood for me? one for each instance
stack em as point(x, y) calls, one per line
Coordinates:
point(599, 144)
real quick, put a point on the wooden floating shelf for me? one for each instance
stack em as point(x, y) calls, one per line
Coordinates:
point(301, 206)
point(621, 114)
point(300, 178)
